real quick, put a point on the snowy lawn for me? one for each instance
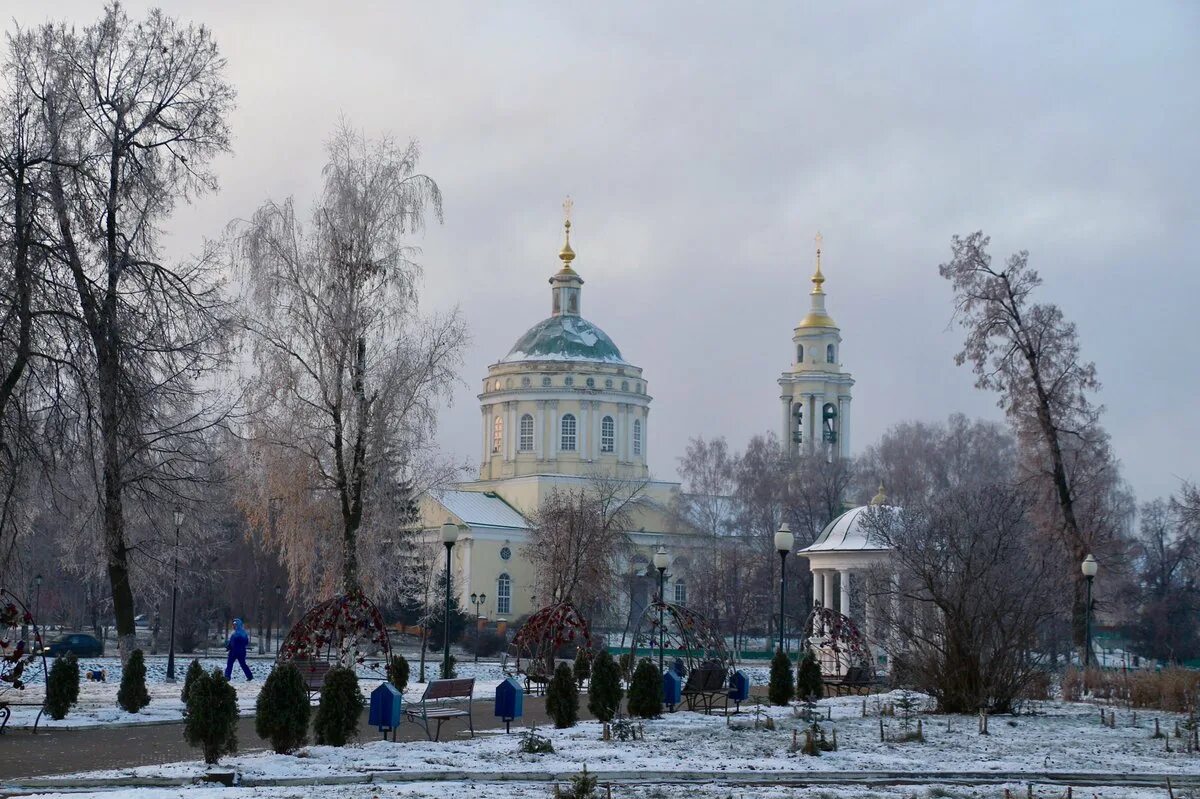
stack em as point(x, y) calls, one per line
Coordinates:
point(1063, 737)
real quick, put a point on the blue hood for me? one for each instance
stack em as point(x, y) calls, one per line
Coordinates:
point(237, 626)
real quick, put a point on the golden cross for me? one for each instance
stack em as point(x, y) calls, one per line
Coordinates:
point(568, 204)
point(818, 239)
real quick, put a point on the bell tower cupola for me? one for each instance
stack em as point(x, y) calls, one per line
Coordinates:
point(566, 284)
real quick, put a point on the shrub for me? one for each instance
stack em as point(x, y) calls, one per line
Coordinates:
point(212, 715)
point(583, 666)
point(62, 686)
point(646, 691)
point(398, 672)
point(604, 698)
point(534, 744)
point(282, 711)
point(194, 670)
point(583, 786)
point(340, 709)
point(132, 695)
point(447, 668)
point(781, 689)
point(562, 698)
point(485, 643)
point(808, 677)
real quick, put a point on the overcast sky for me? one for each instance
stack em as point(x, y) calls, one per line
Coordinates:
point(704, 145)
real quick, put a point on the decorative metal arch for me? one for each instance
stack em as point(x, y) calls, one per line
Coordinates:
point(683, 630)
point(338, 630)
point(545, 632)
point(837, 640)
point(17, 655)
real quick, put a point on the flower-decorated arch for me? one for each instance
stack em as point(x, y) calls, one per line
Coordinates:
point(19, 657)
point(837, 641)
point(544, 633)
point(687, 633)
point(341, 630)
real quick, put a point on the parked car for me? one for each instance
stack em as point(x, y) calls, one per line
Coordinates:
point(79, 644)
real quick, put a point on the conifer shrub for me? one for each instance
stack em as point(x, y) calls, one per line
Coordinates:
point(449, 669)
point(282, 711)
point(604, 698)
point(340, 709)
point(583, 666)
point(62, 686)
point(646, 691)
point(562, 698)
point(398, 672)
point(808, 677)
point(781, 689)
point(133, 696)
point(193, 671)
point(212, 715)
point(583, 786)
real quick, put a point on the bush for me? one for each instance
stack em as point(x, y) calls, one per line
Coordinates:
point(583, 666)
point(781, 688)
point(212, 715)
point(488, 643)
point(534, 744)
point(194, 670)
point(62, 686)
point(583, 786)
point(562, 698)
point(282, 711)
point(133, 695)
point(340, 709)
point(646, 691)
point(808, 677)
point(398, 672)
point(448, 669)
point(604, 698)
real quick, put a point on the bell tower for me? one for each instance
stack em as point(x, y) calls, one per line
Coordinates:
point(816, 393)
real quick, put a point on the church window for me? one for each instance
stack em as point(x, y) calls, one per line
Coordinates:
point(637, 436)
point(639, 388)
point(525, 382)
point(503, 594)
point(624, 385)
point(496, 386)
point(591, 382)
point(568, 433)
point(607, 434)
point(569, 381)
point(829, 354)
point(680, 592)
point(545, 381)
point(526, 443)
point(497, 434)
point(799, 353)
point(608, 384)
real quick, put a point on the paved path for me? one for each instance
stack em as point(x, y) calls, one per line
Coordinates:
point(23, 754)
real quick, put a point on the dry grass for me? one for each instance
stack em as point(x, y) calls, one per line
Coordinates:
point(1173, 689)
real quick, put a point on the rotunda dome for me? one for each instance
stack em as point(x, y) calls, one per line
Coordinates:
point(565, 338)
point(849, 532)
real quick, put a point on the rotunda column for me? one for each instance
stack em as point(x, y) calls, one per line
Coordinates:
point(827, 589)
point(844, 608)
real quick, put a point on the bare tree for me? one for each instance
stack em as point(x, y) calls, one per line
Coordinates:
point(1167, 550)
point(350, 374)
point(705, 508)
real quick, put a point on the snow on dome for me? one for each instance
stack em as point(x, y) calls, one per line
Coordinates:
point(848, 532)
point(565, 338)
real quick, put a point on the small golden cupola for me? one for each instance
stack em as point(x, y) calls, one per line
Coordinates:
point(566, 284)
point(817, 315)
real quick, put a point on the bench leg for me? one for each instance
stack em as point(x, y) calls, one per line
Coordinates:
point(5, 714)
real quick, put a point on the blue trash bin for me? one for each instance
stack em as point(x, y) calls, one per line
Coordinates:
point(672, 689)
point(386, 704)
point(510, 702)
point(739, 689)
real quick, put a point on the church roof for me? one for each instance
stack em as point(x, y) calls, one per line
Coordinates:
point(565, 338)
point(480, 508)
point(848, 532)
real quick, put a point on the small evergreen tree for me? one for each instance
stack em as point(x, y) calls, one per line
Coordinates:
point(604, 698)
point(562, 698)
point(398, 672)
point(808, 677)
point(194, 671)
point(452, 671)
point(781, 689)
point(212, 715)
point(646, 691)
point(583, 666)
point(282, 711)
point(340, 709)
point(62, 686)
point(133, 695)
point(583, 786)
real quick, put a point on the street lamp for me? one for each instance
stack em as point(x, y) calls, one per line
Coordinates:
point(278, 614)
point(660, 563)
point(1089, 567)
point(174, 595)
point(37, 596)
point(783, 543)
point(449, 536)
point(477, 600)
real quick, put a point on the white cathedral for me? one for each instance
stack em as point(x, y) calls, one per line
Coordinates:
point(565, 404)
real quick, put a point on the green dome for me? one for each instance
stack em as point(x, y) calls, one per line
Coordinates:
point(565, 338)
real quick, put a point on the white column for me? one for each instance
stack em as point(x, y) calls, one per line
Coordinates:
point(814, 426)
point(845, 601)
point(619, 433)
point(539, 428)
point(827, 589)
point(581, 431)
point(787, 425)
point(818, 586)
point(555, 438)
point(844, 426)
point(595, 430)
point(487, 425)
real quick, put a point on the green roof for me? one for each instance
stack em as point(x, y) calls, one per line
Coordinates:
point(565, 338)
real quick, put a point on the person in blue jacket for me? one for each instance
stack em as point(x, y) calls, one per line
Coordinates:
point(237, 645)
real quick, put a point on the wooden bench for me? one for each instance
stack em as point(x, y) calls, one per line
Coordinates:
point(856, 680)
point(441, 702)
point(313, 672)
point(705, 685)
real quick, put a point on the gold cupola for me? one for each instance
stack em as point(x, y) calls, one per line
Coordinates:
point(817, 316)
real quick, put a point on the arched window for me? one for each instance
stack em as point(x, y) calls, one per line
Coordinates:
point(799, 353)
point(680, 592)
point(637, 436)
point(829, 354)
point(568, 433)
point(503, 594)
point(497, 434)
point(607, 434)
point(526, 430)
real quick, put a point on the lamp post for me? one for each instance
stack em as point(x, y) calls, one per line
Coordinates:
point(1089, 567)
point(449, 536)
point(174, 595)
point(660, 563)
point(477, 600)
point(277, 614)
point(37, 596)
point(783, 543)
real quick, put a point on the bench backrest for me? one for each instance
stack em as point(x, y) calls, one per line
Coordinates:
point(449, 689)
point(705, 678)
point(856, 674)
point(313, 671)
